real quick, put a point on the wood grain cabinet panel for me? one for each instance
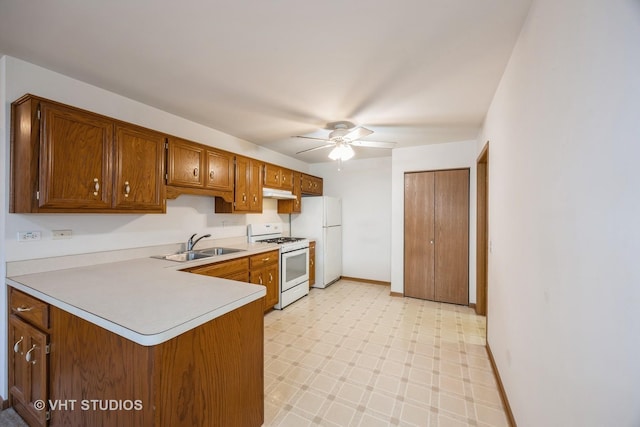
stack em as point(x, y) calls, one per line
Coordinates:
point(75, 159)
point(186, 163)
point(312, 264)
point(212, 375)
point(64, 159)
point(139, 175)
point(265, 271)
point(29, 344)
point(311, 185)
point(219, 170)
point(293, 206)
point(247, 192)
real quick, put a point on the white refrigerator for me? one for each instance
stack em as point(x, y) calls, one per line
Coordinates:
point(321, 220)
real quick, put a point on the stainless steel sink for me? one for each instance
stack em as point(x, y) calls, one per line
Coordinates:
point(218, 251)
point(199, 254)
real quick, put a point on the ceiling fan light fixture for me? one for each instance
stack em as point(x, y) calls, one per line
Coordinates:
point(341, 151)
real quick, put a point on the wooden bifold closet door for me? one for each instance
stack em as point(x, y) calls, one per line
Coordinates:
point(436, 235)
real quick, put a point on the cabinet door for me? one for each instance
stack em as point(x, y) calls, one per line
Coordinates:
point(255, 186)
point(268, 277)
point(286, 179)
point(242, 179)
point(28, 376)
point(272, 176)
point(219, 170)
point(185, 164)
point(75, 159)
point(139, 179)
point(295, 205)
point(312, 264)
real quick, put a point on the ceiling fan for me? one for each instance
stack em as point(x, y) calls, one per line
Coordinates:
point(343, 136)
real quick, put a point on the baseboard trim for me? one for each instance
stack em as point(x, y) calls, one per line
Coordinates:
point(472, 305)
point(4, 404)
point(373, 282)
point(503, 393)
point(396, 294)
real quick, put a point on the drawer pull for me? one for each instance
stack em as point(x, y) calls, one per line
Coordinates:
point(28, 357)
point(96, 186)
point(16, 346)
point(23, 309)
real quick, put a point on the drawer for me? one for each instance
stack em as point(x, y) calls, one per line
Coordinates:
point(265, 258)
point(222, 269)
point(29, 308)
point(242, 276)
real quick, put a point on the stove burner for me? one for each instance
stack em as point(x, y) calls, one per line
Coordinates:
point(282, 240)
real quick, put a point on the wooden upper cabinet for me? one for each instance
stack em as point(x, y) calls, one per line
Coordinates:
point(242, 179)
point(75, 159)
point(219, 170)
point(293, 206)
point(139, 175)
point(278, 177)
point(198, 169)
point(185, 163)
point(255, 185)
point(272, 176)
point(311, 185)
point(64, 159)
point(286, 179)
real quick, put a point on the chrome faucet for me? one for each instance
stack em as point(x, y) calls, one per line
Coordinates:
point(191, 243)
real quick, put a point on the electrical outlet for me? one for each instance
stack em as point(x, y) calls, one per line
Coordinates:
point(29, 236)
point(61, 234)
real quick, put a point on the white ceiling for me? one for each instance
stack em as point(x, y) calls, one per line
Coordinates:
point(414, 71)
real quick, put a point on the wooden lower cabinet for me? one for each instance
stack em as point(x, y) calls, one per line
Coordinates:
point(212, 375)
point(28, 373)
point(261, 269)
point(264, 269)
point(312, 264)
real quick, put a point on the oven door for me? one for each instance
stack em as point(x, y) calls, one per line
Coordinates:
point(294, 268)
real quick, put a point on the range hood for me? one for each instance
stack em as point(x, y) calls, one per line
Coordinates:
point(272, 193)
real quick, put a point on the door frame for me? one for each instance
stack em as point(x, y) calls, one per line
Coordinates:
point(482, 231)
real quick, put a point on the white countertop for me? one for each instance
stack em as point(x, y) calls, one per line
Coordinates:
point(146, 300)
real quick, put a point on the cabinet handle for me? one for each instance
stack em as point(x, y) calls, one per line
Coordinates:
point(270, 278)
point(23, 309)
point(431, 241)
point(28, 357)
point(312, 263)
point(255, 198)
point(260, 278)
point(266, 259)
point(127, 189)
point(211, 174)
point(244, 197)
point(195, 172)
point(16, 346)
point(96, 186)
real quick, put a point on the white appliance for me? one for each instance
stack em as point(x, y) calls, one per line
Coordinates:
point(294, 261)
point(321, 220)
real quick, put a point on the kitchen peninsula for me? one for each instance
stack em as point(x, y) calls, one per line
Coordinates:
point(153, 345)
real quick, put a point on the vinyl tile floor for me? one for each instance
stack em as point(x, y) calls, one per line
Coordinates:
point(352, 355)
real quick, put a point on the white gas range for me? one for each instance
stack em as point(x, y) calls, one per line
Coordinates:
point(294, 260)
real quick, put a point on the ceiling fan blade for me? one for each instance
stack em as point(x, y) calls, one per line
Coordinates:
point(316, 148)
point(373, 144)
point(310, 137)
point(357, 133)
